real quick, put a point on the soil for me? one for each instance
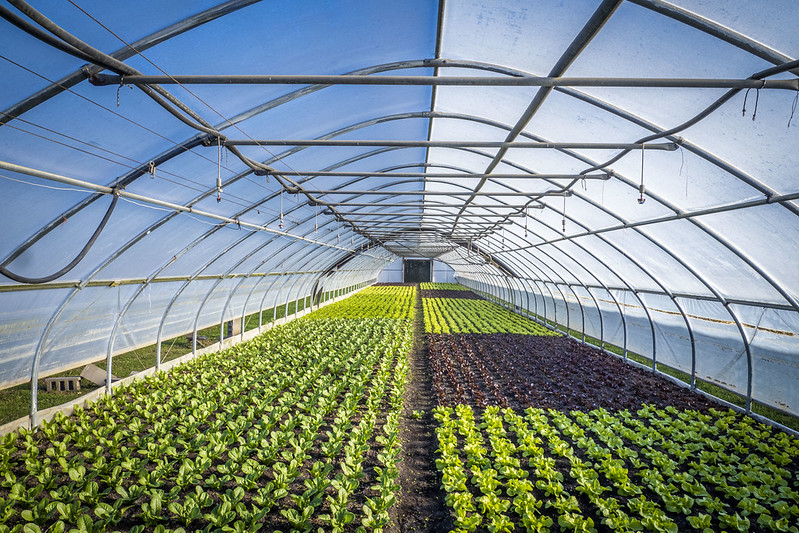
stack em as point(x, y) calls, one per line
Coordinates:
point(420, 504)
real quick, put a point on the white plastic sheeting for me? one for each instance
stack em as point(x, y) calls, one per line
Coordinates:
point(687, 257)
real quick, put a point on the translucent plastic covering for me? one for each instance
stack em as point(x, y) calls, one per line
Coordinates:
point(167, 168)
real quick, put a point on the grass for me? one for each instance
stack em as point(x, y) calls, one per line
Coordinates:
point(15, 401)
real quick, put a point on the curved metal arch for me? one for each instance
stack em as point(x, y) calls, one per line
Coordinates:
point(582, 310)
point(551, 280)
point(427, 63)
point(576, 296)
point(252, 291)
point(580, 283)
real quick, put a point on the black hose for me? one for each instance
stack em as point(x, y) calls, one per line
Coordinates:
point(42, 36)
point(22, 279)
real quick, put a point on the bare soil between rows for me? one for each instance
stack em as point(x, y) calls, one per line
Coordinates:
point(420, 504)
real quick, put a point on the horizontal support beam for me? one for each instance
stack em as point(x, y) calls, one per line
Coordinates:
point(428, 205)
point(421, 222)
point(475, 81)
point(429, 214)
point(435, 193)
point(444, 144)
point(421, 175)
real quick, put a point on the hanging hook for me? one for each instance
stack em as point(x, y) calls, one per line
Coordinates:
point(757, 98)
point(219, 170)
point(641, 189)
point(526, 216)
point(152, 169)
point(121, 84)
point(743, 108)
point(281, 210)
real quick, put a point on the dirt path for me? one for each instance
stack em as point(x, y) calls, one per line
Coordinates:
point(420, 503)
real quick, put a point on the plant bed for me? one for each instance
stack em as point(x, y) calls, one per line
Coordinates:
point(456, 315)
point(294, 430)
point(523, 371)
point(666, 470)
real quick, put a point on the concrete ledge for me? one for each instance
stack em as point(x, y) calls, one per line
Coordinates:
point(68, 408)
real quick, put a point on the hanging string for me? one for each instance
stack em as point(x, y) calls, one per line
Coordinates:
point(793, 107)
point(757, 97)
point(641, 188)
point(219, 170)
point(316, 219)
point(564, 213)
point(743, 108)
point(526, 216)
point(281, 210)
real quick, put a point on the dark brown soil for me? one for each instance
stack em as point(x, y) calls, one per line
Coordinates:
point(420, 504)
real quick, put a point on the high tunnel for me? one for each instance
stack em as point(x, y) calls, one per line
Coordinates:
point(622, 170)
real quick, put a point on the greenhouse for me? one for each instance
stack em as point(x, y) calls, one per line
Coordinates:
point(481, 265)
